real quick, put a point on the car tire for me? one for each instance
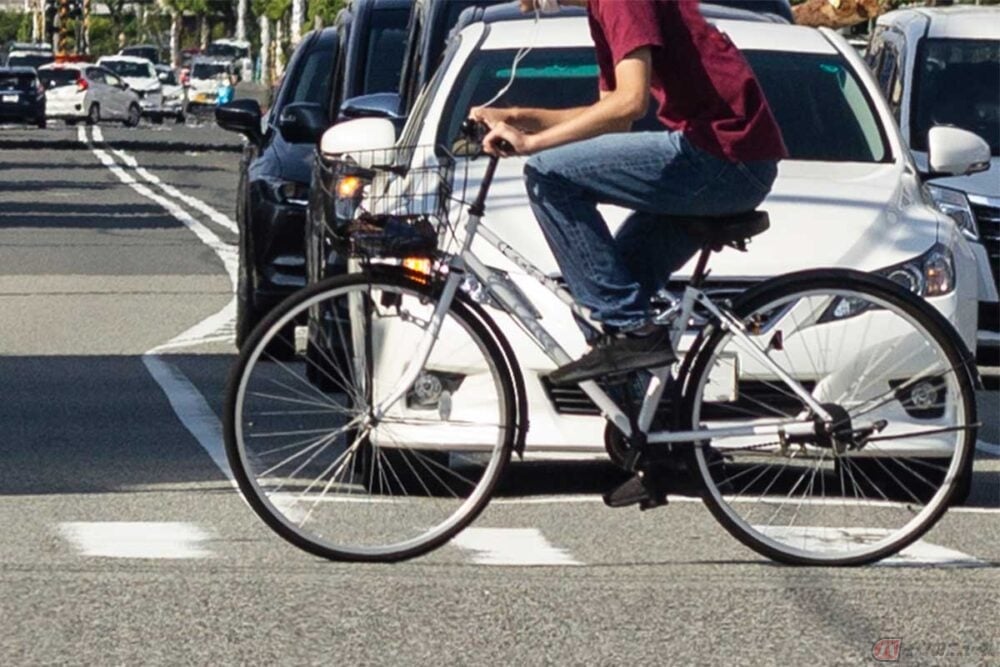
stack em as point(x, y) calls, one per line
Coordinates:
point(42, 123)
point(134, 114)
point(247, 315)
point(93, 115)
point(179, 118)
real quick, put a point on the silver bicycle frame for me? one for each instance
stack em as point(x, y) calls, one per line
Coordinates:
point(514, 304)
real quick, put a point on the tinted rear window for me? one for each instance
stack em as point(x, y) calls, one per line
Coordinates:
point(10, 81)
point(28, 60)
point(386, 46)
point(53, 78)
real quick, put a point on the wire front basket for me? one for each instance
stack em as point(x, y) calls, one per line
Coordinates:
point(392, 203)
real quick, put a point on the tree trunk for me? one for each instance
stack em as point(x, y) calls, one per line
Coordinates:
point(279, 57)
point(203, 29)
point(175, 38)
point(265, 51)
point(298, 18)
point(241, 19)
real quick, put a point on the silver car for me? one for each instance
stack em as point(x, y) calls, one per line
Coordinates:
point(82, 91)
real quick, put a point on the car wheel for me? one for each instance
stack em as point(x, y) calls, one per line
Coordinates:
point(180, 118)
point(42, 123)
point(93, 115)
point(134, 114)
point(247, 315)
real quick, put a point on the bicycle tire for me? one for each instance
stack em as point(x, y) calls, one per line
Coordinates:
point(891, 309)
point(371, 497)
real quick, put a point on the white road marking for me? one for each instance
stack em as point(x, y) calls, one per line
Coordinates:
point(140, 539)
point(511, 546)
point(187, 402)
point(988, 448)
point(195, 203)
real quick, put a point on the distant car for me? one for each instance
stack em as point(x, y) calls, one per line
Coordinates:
point(235, 50)
point(32, 59)
point(147, 51)
point(847, 196)
point(203, 85)
point(140, 75)
point(941, 66)
point(88, 92)
point(174, 93)
point(22, 97)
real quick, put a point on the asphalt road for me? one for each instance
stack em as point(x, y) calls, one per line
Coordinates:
point(124, 541)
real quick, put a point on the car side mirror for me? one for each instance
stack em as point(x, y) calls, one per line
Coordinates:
point(302, 122)
point(369, 141)
point(162, 76)
point(241, 116)
point(955, 152)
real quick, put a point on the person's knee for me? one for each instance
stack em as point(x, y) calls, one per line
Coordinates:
point(542, 177)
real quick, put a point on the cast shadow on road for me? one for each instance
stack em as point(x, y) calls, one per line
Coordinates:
point(84, 216)
point(126, 144)
point(90, 167)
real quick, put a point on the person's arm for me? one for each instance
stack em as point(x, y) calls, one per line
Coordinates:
point(615, 111)
point(526, 119)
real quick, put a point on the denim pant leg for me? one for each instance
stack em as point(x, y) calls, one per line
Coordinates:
point(652, 173)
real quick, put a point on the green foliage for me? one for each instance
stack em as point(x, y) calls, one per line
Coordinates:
point(325, 9)
point(14, 26)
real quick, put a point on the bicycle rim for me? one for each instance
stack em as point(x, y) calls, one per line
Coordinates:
point(904, 420)
point(313, 462)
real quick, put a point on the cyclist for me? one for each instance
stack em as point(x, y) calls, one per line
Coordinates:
point(717, 155)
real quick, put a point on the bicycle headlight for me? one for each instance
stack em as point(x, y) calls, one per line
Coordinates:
point(955, 205)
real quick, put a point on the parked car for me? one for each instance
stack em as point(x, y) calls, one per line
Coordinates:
point(148, 51)
point(274, 176)
point(28, 58)
point(207, 73)
point(941, 66)
point(174, 92)
point(848, 196)
point(236, 51)
point(373, 39)
point(140, 75)
point(87, 92)
point(22, 97)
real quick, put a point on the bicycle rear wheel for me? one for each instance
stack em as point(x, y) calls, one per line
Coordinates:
point(894, 377)
point(310, 457)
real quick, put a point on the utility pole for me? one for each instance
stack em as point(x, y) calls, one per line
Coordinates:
point(298, 17)
point(241, 19)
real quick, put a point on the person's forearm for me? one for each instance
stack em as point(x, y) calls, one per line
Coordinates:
point(537, 120)
point(612, 113)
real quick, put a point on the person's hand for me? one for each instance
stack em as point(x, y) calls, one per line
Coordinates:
point(519, 142)
point(490, 116)
point(528, 5)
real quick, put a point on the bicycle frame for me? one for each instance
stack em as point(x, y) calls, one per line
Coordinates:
point(465, 263)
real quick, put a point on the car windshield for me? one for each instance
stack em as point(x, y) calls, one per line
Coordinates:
point(208, 70)
point(53, 78)
point(226, 51)
point(386, 46)
point(128, 68)
point(821, 107)
point(28, 59)
point(18, 81)
point(957, 82)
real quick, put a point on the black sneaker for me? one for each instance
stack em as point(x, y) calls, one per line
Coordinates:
point(618, 355)
point(644, 489)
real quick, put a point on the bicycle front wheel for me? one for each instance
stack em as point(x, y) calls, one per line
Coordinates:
point(310, 456)
point(893, 376)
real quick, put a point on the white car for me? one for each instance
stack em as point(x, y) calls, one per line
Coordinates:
point(175, 94)
point(236, 51)
point(941, 66)
point(87, 92)
point(849, 195)
point(141, 77)
point(207, 75)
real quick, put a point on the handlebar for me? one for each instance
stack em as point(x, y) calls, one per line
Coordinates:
point(476, 131)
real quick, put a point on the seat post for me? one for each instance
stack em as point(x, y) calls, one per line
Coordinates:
point(699, 271)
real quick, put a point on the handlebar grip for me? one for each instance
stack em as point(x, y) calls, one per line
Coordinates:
point(475, 130)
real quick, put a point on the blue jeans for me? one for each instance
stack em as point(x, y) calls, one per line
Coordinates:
point(654, 174)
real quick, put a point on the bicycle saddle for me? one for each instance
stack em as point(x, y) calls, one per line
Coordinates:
point(731, 230)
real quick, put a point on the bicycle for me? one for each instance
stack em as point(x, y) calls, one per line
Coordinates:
point(828, 416)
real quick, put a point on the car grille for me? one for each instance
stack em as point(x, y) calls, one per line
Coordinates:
point(988, 221)
point(755, 399)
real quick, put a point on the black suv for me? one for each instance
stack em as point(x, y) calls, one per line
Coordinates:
point(361, 53)
point(22, 97)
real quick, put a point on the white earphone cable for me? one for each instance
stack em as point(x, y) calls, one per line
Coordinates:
point(518, 57)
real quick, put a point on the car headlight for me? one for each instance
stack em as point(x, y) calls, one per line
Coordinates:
point(930, 274)
point(955, 205)
point(288, 192)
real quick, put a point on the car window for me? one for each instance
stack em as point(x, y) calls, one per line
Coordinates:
point(12, 81)
point(956, 82)
point(96, 75)
point(208, 70)
point(821, 107)
point(386, 46)
point(415, 122)
point(313, 81)
point(127, 68)
point(112, 79)
point(56, 77)
point(28, 59)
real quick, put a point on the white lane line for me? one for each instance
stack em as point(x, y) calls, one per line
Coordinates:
point(988, 448)
point(195, 203)
point(187, 402)
point(511, 546)
point(138, 539)
point(925, 553)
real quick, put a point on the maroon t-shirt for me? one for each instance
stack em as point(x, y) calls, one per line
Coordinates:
point(704, 86)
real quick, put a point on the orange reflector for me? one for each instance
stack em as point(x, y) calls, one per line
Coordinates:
point(348, 186)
